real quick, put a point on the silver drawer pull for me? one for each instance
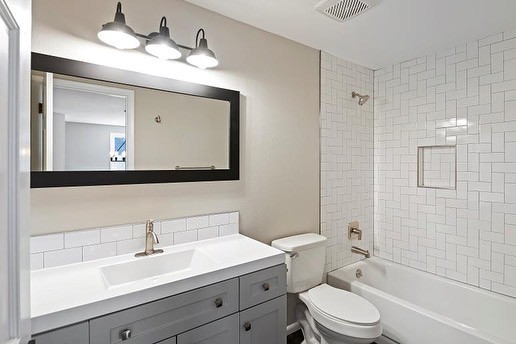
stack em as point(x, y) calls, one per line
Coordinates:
point(125, 334)
point(218, 302)
point(266, 286)
point(247, 326)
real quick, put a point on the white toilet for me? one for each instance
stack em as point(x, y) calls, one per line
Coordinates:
point(327, 315)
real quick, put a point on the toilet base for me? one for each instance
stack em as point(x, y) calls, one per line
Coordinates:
point(314, 333)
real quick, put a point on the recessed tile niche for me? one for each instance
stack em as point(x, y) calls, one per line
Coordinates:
point(437, 167)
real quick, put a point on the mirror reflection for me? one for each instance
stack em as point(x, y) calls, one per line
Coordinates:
point(80, 124)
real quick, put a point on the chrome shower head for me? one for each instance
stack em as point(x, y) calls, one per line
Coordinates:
point(361, 99)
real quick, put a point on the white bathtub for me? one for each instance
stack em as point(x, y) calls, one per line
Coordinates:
point(420, 308)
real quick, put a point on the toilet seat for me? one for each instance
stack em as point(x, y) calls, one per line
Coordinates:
point(343, 312)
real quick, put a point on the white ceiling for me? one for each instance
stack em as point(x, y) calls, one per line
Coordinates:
point(89, 107)
point(393, 31)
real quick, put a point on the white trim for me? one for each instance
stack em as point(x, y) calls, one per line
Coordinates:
point(15, 252)
point(48, 113)
point(112, 91)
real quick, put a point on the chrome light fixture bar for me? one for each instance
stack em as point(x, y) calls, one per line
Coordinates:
point(121, 36)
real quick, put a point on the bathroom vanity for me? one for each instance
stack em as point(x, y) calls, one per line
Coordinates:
point(225, 290)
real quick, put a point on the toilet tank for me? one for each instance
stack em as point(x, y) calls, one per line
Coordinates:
point(305, 258)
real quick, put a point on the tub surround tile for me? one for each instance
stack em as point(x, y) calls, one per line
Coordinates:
point(347, 155)
point(85, 245)
point(467, 234)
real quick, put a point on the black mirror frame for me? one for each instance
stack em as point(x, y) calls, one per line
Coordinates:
point(57, 65)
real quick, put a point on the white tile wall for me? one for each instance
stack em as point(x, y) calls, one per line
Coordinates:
point(346, 158)
point(465, 96)
point(73, 247)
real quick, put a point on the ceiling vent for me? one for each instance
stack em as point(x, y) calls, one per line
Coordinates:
point(343, 10)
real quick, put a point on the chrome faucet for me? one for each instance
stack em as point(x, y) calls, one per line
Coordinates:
point(363, 252)
point(151, 238)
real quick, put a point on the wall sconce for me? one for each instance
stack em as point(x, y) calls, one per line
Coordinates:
point(121, 36)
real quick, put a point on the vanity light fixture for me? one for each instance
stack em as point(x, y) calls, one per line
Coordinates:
point(201, 56)
point(121, 36)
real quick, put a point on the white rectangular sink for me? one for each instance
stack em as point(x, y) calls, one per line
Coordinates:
point(153, 267)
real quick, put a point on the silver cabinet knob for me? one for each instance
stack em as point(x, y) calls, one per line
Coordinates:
point(125, 334)
point(266, 286)
point(218, 302)
point(247, 326)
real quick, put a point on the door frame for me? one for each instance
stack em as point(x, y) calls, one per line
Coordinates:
point(15, 252)
point(110, 91)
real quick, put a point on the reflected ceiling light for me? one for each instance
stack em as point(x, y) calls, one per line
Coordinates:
point(201, 56)
point(161, 45)
point(119, 35)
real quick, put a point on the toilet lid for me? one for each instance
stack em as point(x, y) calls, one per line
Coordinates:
point(344, 305)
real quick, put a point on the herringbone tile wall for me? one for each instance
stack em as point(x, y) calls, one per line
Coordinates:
point(464, 96)
point(346, 158)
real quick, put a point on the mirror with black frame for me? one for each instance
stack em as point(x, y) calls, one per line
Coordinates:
point(96, 125)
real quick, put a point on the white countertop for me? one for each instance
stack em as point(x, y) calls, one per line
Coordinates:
point(72, 293)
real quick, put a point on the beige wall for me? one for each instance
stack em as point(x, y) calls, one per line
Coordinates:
point(278, 193)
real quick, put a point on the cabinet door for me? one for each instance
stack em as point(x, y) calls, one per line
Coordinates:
point(223, 331)
point(265, 323)
point(75, 334)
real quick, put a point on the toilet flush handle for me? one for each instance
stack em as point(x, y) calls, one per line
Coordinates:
point(294, 255)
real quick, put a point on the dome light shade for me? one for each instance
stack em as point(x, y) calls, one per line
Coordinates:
point(201, 56)
point(161, 45)
point(117, 33)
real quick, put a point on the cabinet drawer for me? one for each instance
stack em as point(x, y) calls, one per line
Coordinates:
point(159, 320)
point(223, 331)
point(75, 334)
point(262, 286)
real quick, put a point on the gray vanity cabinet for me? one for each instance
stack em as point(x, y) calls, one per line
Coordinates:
point(224, 331)
point(75, 334)
point(250, 309)
point(265, 323)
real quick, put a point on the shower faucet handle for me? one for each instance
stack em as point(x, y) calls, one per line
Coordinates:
point(354, 228)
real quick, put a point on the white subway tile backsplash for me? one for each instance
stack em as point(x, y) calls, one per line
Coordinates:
point(82, 238)
point(116, 233)
point(85, 245)
point(173, 226)
point(234, 217)
point(99, 251)
point(46, 243)
point(63, 257)
point(208, 233)
point(185, 237)
point(230, 229)
point(130, 246)
point(219, 219)
point(36, 261)
point(197, 222)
